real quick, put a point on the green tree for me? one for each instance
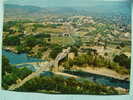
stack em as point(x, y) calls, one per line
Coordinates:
point(123, 60)
point(8, 80)
point(30, 41)
point(56, 49)
point(68, 64)
point(6, 67)
point(11, 40)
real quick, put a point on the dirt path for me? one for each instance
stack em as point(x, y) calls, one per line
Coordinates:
point(65, 74)
point(31, 76)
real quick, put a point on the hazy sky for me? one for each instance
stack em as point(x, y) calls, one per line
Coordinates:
point(55, 3)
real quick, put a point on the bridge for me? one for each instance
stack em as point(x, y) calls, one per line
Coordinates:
point(45, 66)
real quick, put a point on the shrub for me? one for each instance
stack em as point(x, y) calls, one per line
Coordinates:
point(43, 35)
point(81, 60)
point(6, 67)
point(96, 61)
point(23, 49)
point(9, 79)
point(65, 86)
point(10, 73)
point(30, 41)
point(11, 40)
point(68, 64)
point(56, 49)
point(123, 60)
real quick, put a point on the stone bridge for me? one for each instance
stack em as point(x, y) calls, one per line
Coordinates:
point(43, 67)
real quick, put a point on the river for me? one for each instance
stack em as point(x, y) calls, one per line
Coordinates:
point(109, 81)
point(19, 58)
point(24, 58)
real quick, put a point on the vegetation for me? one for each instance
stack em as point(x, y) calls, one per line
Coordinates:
point(95, 61)
point(31, 41)
point(65, 86)
point(42, 35)
point(52, 84)
point(75, 50)
point(11, 40)
point(46, 40)
point(11, 74)
point(5, 65)
point(123, 60)
point(14, 75)
point(55, 50)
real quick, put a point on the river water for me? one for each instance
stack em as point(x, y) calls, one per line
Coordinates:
point(24, 58)
point(19, 58)
point(109, 81)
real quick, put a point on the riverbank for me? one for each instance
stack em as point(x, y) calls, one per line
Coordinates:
point(10, 49)
point(103, 71)
point(100, 75)
point(94, 70)
point(119, 89)
point(15, 51)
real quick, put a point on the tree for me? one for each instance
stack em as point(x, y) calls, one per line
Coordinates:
point(11, 40)
point(55, 51)
point(30, 41)
point(75, 50)
point(123, 60)
point(9, 79)
point(68, 64)
point(23, 49)
point(65, 86)
point(6, 67)
point(13, 75)
point(122, 45)
point(39, 54)
point(81, 60)
point(21, 72)
point(43, 35)
point(78, 43)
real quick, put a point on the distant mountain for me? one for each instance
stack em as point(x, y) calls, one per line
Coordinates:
point(23, 11)
point(98, 9)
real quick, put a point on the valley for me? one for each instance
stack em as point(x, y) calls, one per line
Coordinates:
point(79, 50)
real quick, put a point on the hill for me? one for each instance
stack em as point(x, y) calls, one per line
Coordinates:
point(103, 9)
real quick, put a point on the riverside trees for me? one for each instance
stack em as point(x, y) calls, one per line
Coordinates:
point(61, 85)
point(10, 74)
point(96, 61)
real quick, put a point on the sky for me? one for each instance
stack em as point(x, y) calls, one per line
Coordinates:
point(55, 3)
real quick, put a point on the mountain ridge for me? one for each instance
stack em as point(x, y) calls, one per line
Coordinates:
point(104, 10)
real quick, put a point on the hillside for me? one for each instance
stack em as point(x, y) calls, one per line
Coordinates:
point(97, 10)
